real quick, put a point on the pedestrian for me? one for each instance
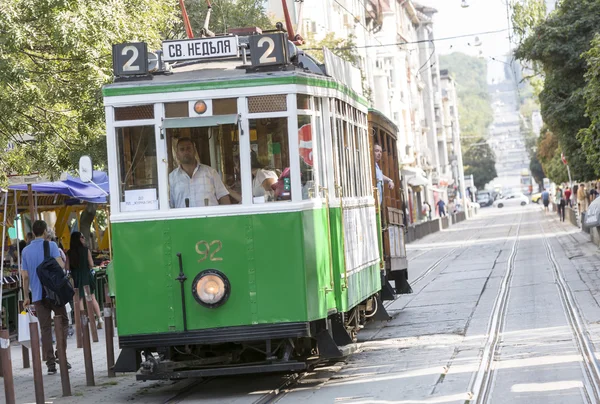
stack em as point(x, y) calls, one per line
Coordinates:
point(80, 263)
point(582, 198)
point(545, 199)
point(381, 179)
point(560, 204)
point(441, 205)
point(593, 193)
point(33, 256)
point(567, 197)
point(427, 210)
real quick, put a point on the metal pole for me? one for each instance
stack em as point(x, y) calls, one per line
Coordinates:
point(90, 312)
point(570, 180)
point(109, 334)
point(38, 379)
point(87, 351)
point(32, 213)
point(77, 302)
point(3, 241)
point(9, 385)
point(61, 346)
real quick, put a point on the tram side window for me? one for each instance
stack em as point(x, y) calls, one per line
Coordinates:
point(305, 144)
point(204, 166)
point(270, 160)
point(138, 177)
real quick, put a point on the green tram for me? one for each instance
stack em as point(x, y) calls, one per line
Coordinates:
point(246, 232)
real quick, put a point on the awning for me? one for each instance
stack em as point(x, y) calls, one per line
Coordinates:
point(435, 189)
point(74, 187)
point(413, 171)
point(418, 181)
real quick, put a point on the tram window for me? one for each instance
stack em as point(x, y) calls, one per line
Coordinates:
point(225, 106)
point(304, 101)
point(138, 178)
point(270, 160)
point(134, 113)
point(177, 110)
point(305, 144)
point(204, 166)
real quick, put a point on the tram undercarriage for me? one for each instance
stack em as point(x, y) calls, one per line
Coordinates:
point(291, 347)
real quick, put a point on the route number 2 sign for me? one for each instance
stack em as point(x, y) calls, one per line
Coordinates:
point(130, 59)
point(268, 49)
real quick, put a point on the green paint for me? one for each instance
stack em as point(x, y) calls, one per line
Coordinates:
point(278, 265)
point(142, 88)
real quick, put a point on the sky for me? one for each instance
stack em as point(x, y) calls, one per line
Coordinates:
point(481, 16)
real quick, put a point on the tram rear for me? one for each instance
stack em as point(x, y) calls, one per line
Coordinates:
point(392, 205)
point(242, 274)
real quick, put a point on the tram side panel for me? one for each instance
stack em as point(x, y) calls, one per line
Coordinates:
point(319, 273)
point(356, 256)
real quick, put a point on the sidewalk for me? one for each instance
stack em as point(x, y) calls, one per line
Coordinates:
point(121, 389)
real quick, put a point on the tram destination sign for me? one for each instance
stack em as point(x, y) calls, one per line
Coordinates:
point(200, 48)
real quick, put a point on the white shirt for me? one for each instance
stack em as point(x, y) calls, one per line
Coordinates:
point(205, 184)
point(259, 178)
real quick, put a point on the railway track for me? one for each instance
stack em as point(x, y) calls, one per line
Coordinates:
point(481, 388)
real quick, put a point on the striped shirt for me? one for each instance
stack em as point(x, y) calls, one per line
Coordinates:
point(205, 187)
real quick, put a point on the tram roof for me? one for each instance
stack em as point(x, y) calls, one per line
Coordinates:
point(222, 74)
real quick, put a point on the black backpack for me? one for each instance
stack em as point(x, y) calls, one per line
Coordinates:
point(55, 284)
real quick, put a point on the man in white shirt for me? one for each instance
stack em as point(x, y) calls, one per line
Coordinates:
point(198, 184)
point(381, 179)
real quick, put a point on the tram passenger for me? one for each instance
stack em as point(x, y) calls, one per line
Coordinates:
point(262, 179)
point(193, 184)
point(381, 179)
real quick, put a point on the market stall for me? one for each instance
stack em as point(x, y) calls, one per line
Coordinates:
point(64, 201)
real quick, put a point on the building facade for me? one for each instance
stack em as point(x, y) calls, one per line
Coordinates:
point(396, 52)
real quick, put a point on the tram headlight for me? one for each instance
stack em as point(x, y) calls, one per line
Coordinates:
point(211, 288)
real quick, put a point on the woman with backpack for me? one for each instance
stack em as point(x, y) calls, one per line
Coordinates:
point(80, 263)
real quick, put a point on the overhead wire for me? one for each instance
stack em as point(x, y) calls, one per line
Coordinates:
point(417, 42)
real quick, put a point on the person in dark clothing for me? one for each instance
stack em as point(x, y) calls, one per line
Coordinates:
point(80, 263)
point(441, 208)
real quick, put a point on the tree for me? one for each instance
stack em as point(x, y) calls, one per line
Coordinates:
point(55, 55)
point(556, 45)
point(480, 161)
point(590, 136)
point(549, 156)
point(227, 14)
point(475, 111)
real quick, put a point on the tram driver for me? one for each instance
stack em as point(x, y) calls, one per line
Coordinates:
point(193, 184)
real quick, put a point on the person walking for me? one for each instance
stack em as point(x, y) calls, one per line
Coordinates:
point(33, 256)
point(582, 198)
point(560, 204)
point(567, 197)
point(545, 199)
point(80, 263)
point(441, 205)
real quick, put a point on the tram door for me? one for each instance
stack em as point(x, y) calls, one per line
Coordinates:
point(390, 201)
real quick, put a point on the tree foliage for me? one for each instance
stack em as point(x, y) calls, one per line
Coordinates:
point(590, 136)
point(549, 156)
point(556, 45)
point(55, 55)
point(480, 161)
point(227, 14)
point(475, 111)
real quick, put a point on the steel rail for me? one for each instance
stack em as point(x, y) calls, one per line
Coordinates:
point(282, 390)
point(481, 384)
point(578, 328)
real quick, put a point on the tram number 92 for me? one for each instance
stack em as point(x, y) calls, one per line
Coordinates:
point(268, 49)
point(130, 59)
point(209, 250)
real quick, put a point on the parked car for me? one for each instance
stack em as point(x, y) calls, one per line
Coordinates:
point(535, 198)
point(484, 199)
point(511, 200)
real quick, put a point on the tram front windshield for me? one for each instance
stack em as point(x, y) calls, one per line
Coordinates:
point(204, 164)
